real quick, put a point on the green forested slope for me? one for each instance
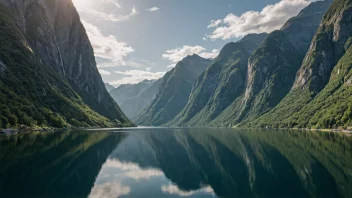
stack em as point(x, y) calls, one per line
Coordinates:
point(321, 95)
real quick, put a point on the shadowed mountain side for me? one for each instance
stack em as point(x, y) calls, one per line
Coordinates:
point(49, 165)
point(48, 73)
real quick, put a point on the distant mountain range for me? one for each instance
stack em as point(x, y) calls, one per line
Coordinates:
point(109, 87)
point(298, 76)
point(134, 97)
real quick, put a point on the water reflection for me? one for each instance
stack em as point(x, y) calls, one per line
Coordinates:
point(61, 164)
point(177, 163)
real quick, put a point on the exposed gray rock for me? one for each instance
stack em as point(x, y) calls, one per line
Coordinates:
point(2, 69)
point(273, 66)
point(349, 82)
point(326, 49)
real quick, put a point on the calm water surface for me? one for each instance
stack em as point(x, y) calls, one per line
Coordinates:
point(156, 162)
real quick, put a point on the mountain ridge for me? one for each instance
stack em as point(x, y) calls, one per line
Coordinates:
point(170, 99)
point(320, 95)
point(209, 90)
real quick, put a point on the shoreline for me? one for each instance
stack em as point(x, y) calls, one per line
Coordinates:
point(21, 130)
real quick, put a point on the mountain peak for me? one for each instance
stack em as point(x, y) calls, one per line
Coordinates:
point(314, 7)
point(193, 56)
point(146, 81)
point(254, 37)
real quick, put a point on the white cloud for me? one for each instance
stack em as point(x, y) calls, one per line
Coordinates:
point(174, 190)
point(132, 170)
point(178, 54)
point(270, 18)
point(83, 6)
point(109, 190)
point(171, 66)
point(109, 182)
point(104, 72)
point(148, 69)
point(210, 55)
point(107, 47)
point(215, 23)
point(113, 2)
point(152, 9)
point(143, 174)
point(136, 76)
point(134, 11)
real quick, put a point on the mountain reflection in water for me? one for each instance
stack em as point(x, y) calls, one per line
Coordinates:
point(162, 162)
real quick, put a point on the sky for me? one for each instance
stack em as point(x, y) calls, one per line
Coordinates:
point(135, 40)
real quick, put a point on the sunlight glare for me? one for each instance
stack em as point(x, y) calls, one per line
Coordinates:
point(82, 3)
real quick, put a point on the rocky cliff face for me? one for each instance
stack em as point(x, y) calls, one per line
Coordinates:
point(174, 91)
point(326, 49)
point(52, 31)
point(320, 97)
point(272, 67)
point(222, 82)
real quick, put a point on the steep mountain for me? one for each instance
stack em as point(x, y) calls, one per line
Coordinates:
point(320, 97)
point(109, 87)
point(273, 65)
point(132, 98)
point(48, 70)
point(174, 91)
point(221, 83)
